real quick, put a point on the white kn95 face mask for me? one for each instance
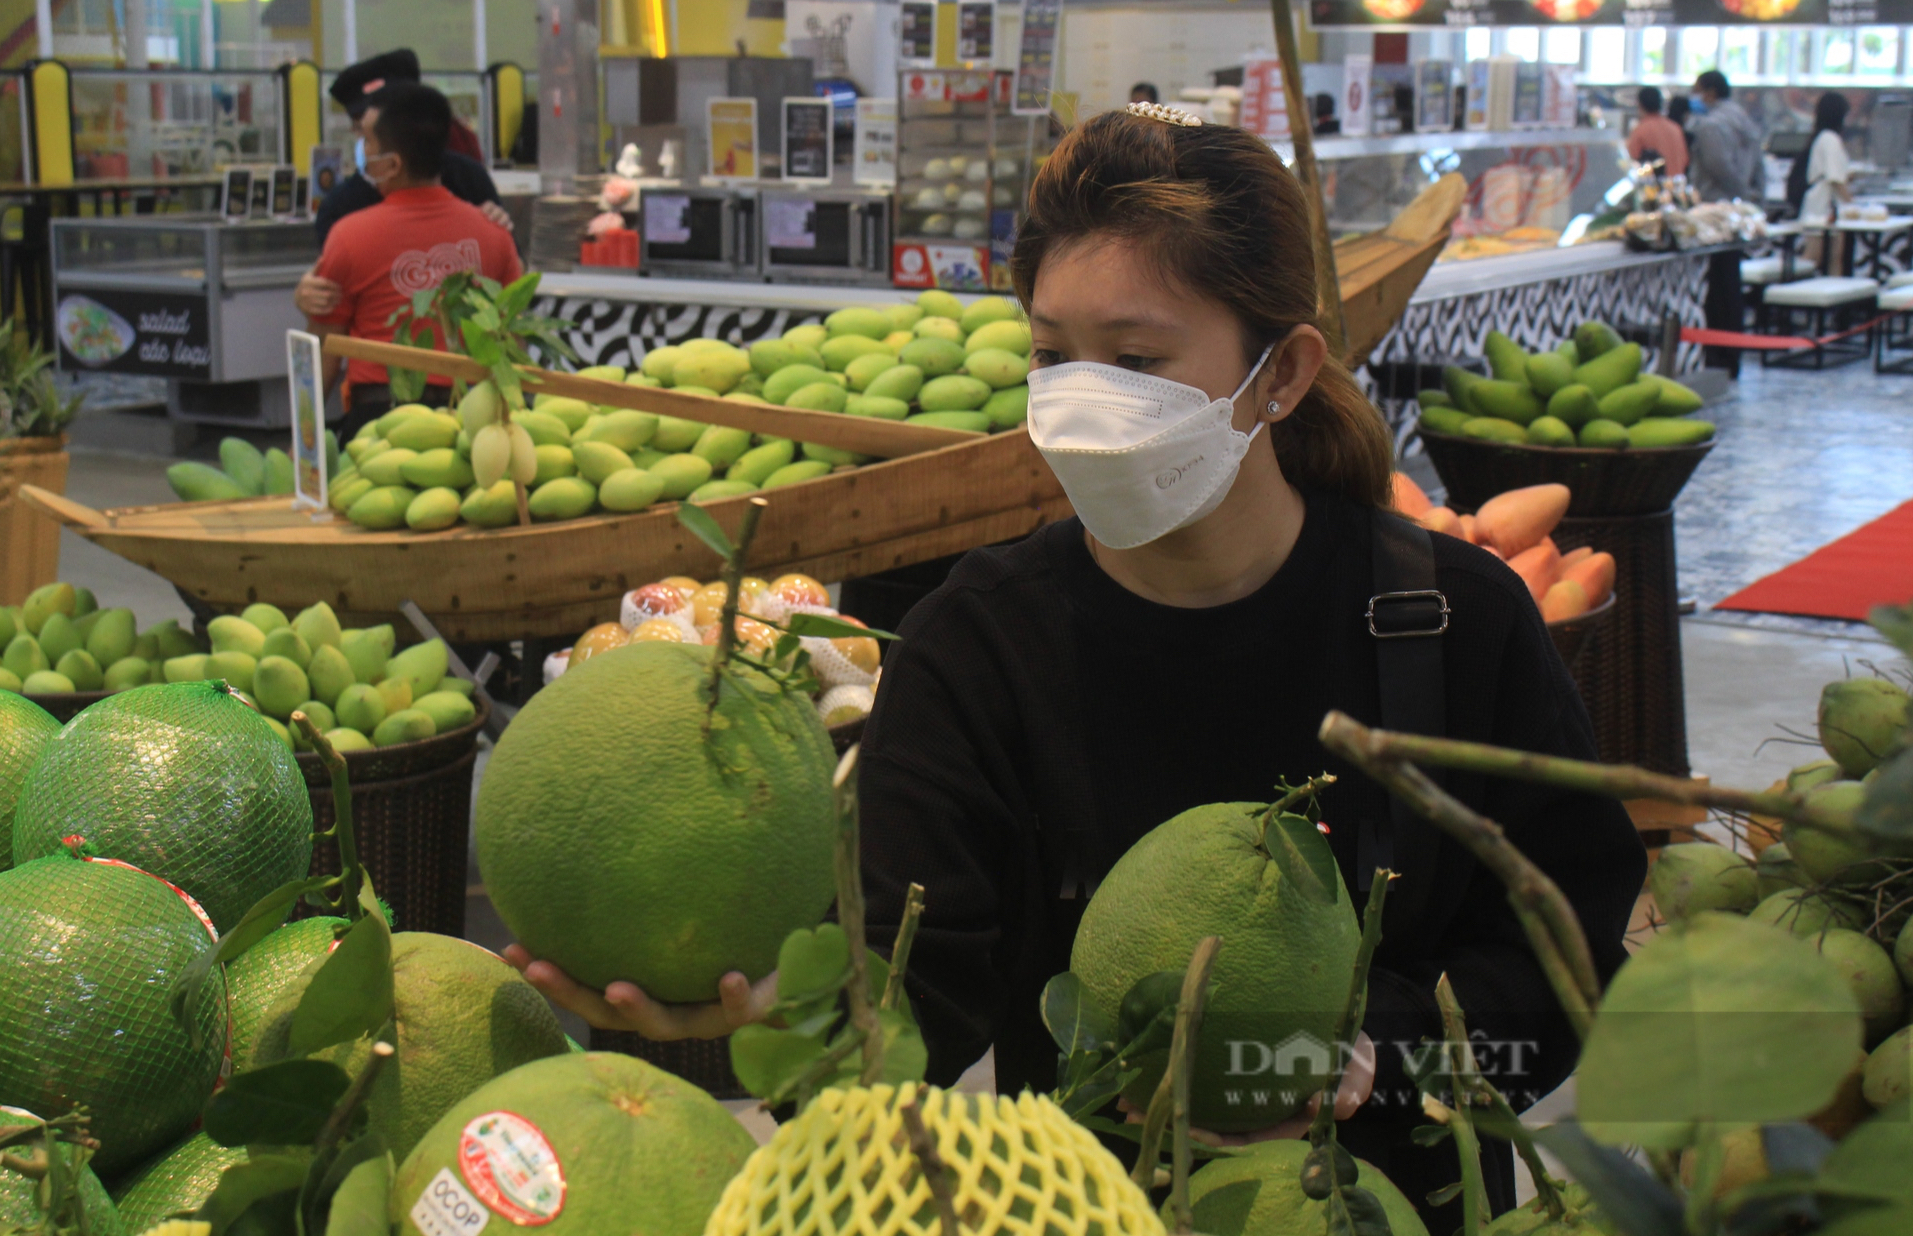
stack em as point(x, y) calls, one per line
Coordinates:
point(1139, 456)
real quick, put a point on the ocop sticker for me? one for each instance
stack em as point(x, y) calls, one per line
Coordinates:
point(447, 1208)
point(512, 1168)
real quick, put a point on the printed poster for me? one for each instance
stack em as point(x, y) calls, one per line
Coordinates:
point(732, 124)
point(303, 372)
point(873, 158)
point(1036, 57)
point(808, 145)
point(976, 31)
point(1265, 102)
point(917, 32)
point(328, 169)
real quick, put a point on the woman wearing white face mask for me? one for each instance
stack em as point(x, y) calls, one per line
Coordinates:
point(1179, 642)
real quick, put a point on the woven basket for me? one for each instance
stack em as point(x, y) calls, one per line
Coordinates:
point(1630, 677)
point(411, 811)
point(703, 1062)
point(1603, 482)
point(1572, 635)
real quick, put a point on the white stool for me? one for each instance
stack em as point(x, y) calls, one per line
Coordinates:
point(1760, 271)
point(1896, 298)
point(1827, 299)
point(1903, 279)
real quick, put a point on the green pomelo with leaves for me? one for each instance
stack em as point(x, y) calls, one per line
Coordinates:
point(181, 1179)
point(637, 1148)
point(258, 980)
point(19, 1197)
point(654, 867)
point(1532, 1219)
point(25, 730)
point(89, 951)
point(1272, 891)
point(464, 1017)
point(182, 780)
point(1259, 1193)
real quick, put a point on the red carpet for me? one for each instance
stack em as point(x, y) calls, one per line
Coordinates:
point(1872, 565)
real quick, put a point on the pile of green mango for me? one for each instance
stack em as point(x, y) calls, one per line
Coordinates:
point(932, 362)
point(60, 641)
point(1589, 392)
point(243, 472)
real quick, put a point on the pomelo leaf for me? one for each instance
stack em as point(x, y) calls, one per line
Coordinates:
point(812, 963)
point(700, 524)
point(767, 1060)
point(1719, 1020)
point(351, 994)
point(1074, 1023)
point(1875, 1155)
point(261, 1179)
point(1629, 1198)
point(1896, 623)
point(823, 626)
point(262, 920)
point(283, 1104)
point(359, 1203)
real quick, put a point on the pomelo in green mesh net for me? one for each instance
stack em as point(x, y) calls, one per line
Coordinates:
point(261, 977)
point(25, 729)
point(180, 1179)
point(89, 952)
point(20, 1208)
point(182, 780)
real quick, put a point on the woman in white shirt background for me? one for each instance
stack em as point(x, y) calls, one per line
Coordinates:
point(1827, 173)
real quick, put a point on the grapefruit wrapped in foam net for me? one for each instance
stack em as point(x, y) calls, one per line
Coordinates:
point(1016, 1166)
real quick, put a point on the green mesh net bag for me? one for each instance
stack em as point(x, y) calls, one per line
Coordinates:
point(89, 952)
point(262, 976)
point(182, 780)
point(20, 1205)
point(180, 1179)
point(25, 729)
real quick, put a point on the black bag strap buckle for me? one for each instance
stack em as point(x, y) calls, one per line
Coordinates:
point(1404, 599)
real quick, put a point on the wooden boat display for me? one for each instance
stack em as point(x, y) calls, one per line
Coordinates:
point(1379, 271)
point(933, 492)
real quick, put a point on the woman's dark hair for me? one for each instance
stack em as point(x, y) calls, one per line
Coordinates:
point(1649, 100)
point(415, 123)
point(1222, 217)
point(1679, 109)
point(1714, 82)
point(1830, 112)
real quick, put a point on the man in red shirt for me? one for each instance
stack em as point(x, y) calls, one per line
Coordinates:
point(410, 241)
point(1655, 135)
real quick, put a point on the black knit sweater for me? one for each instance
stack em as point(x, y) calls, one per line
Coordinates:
point(1038, 718)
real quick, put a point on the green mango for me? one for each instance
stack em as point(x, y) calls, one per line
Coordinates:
point(756, 465)
point(681, 474)
point(1594, 339)
point(935, 357)
point(1626, 404)
point(1507, 360)
point(625, 429)
point(544, 428)
point(563, 497)
point(1549, 431)
point(47, 682)
point(997, 367)
point(832, 455)
point(1508, 401)
point(423, 665)
point(493, 507)
point(864, 369)
point(840, 351)
point(877, 406)
point(191, 668)
point(1568, 349)
point(630, 489)
point(1663, 431)
point(1575, 405)
point(1433, 399)
point(953, 393)
point(1008, 407)
point(780, 386)
point(901, 382)
point(598, 460)
point(81, 670)
point(723, 446)
point(858, 321)
point(433, 509)
point(1457, 381)
point(242, 461)
point(1009, 335)
point(431, 432)
point(974, 422)
point(553, 462)
point(1494, 429)
point(791, 474)
point(675, 435)
point(59, 636)
point(112, 636)
point(1676, 399)
point(711, 491)
point(382, 508)
point(1601, 432)
point(810, 335)
point(436, 469)
point(388, 468)
point(197, 482)
point(1548, 372)
point(24, 656)
point(289, 644)
point(1611, 370)
point(819, 397)
point(279, 481)
point(341, 497)
point(127, 673)
point(1446, 420)
point(573, 412)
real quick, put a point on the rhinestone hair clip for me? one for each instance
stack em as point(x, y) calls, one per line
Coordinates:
point(1168, 115)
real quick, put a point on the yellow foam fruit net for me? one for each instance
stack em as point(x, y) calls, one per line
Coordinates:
point(1016, 1166)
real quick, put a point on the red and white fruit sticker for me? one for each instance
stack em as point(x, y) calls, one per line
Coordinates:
point(512, 1168)
point(447, 1208)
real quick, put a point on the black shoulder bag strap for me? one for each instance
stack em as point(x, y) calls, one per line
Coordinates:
point(1406, 616)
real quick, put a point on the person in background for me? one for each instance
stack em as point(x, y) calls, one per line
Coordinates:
point(1818, 179)
point(1725, 164)
point(1655, 136)
point(1325, 120)
point(1144, 92)
point(356, 89)
point(1680, 114)
point(410, 241)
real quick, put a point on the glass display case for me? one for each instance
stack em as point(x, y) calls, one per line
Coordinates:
point(183, 297)
point(964, 163)
point(144, 124)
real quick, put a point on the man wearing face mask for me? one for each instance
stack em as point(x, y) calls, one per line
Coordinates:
point(1233, 572)
point(356, 89)
point(416, 236)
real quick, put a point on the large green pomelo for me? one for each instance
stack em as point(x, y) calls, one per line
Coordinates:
point(260, 978)
point(624, 832)
point(1259, 1193)
point(1701, 875)
point(182, 780)
point(626, 1147)
point(20, 1205)
point(180, 1179)
point(1289, 937)
point(25, 730)
point(89, 953)
point(1533, 1219)
point(464, 1017)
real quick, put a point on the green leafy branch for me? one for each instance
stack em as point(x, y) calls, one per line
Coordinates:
point(52, 1154)
point(490, 322)
point(835, 998)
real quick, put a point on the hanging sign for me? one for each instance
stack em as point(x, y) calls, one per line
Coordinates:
point(917, 32)
point(1036, 57)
